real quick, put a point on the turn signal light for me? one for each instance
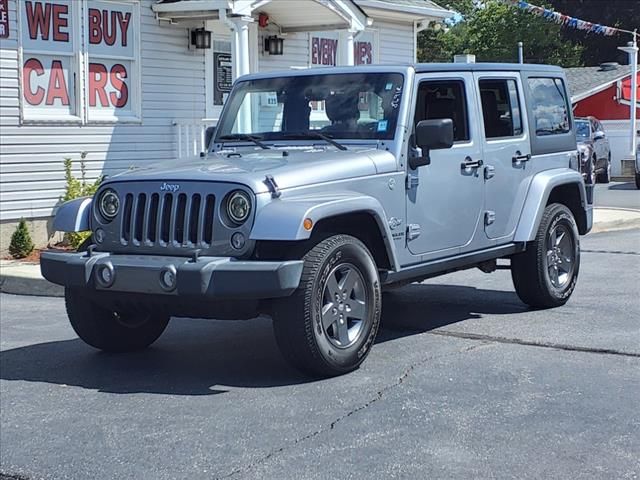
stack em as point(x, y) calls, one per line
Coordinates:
point(307, 224)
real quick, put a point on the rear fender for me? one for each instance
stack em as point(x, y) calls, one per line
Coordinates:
point(538, 196)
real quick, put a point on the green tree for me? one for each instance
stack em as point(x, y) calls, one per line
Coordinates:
point(492, 30)
point(21, 244)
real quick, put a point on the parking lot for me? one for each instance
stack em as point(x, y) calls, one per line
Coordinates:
point(463, 382)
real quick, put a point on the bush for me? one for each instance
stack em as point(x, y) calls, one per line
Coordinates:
point(21, 245)
point(77, 188)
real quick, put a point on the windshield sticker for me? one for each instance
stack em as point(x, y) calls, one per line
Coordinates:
point(388, 86)
point(382, 125)
point(395, 103)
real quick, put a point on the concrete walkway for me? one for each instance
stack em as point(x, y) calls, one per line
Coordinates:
point(22, 278)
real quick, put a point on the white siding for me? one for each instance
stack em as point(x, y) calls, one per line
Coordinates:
point(395, 42)
point(295, 53)
point(31, 169)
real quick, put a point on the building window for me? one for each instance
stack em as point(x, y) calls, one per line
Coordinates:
point(500, 108)
point(80, 60)
point(550, 108)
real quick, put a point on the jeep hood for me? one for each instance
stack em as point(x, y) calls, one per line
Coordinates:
point(289, 167)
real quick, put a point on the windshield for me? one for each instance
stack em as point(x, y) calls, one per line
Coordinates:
point(582, 128)
point(334, 106)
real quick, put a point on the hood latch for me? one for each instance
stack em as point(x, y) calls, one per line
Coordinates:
point(270, 182)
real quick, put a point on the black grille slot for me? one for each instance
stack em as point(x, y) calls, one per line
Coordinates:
point(126, 218)
point(139, 218)
point(180, 216)
point(194, 214)
point(207, 219)
point(152, 226)
point(165, 223)
point(168, 220)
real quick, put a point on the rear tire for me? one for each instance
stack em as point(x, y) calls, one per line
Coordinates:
point(111, 331)
point(546, 274)
point(605, 176)
point(590, 174)
point(328, 326)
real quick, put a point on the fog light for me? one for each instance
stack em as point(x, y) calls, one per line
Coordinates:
point(168, 278)
point(105, 275)
point(99, 235)
point(237, 241)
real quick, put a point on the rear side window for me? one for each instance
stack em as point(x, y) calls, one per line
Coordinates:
point(444, 99)
point(500, 108)
point(549, 104)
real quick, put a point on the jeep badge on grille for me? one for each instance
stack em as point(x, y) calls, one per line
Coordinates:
point(169, 187)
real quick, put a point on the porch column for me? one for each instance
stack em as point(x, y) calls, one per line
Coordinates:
point(240, 45)
point(347, 43)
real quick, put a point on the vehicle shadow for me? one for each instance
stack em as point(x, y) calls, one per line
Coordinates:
point(195, 357)
point(622, 186)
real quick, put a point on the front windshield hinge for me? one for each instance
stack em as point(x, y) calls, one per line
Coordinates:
point(273, 186)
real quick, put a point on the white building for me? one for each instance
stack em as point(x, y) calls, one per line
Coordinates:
point(122, 81)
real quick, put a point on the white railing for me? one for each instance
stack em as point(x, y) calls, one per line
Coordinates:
point(190, 136)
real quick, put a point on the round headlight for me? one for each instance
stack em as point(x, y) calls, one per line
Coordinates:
point(238, 207)
point(109, 204)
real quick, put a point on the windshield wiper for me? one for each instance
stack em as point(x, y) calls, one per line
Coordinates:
point(321, 136)
point(244, 136)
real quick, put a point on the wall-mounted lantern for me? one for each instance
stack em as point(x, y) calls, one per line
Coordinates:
point(201, 38)
point(274, 45)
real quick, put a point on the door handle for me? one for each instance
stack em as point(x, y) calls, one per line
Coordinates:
point(518, 158)
point(469, 163)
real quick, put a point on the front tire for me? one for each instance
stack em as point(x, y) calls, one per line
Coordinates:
point(112, 331)
point(546, 274)
point(328, 326)
point(637, 181)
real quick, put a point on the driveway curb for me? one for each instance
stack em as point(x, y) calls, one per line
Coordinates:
point(20, 278)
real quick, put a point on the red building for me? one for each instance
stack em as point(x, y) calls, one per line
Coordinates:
point(605, 93)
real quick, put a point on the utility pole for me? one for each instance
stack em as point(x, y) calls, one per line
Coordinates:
point(632, 50)
point(520, 52)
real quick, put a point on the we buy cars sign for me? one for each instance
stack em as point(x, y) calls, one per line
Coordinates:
point(52, 68)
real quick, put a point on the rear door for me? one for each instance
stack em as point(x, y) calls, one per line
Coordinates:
point(507, 151)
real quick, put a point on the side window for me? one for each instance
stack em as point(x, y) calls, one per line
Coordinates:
point(444, 99)
point(549, 105)
point(500, 108)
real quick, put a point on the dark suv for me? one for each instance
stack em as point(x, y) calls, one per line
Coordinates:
point(595, 151)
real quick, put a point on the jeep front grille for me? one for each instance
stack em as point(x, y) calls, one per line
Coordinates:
point(168, 220)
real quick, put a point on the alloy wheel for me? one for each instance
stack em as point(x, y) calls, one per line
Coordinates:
point(560, 256)
point(344, 306)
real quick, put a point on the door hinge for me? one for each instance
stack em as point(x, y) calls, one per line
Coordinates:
point(413, 231)
point(489, 217)
point(413, 180)
point(489, 172)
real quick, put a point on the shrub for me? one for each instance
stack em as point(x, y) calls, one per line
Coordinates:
point(77, 188)
point(21, 245)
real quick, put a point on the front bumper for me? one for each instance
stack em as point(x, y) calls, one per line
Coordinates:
point(214, 278)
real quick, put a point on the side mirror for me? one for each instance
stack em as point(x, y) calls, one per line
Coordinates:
point(208, 135)
point(434, 134)
point(598, 135)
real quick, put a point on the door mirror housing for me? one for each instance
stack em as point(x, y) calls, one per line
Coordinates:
point(598, 135)
point(208, 135)
point(433, 134)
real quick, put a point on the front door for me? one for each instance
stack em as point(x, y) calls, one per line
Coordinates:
point(445, 199)
point(507, 151)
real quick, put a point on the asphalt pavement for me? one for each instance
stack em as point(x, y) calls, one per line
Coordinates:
point(463, 382)
point(617, 195)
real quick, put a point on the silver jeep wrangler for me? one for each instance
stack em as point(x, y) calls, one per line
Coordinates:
point(322, 188)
